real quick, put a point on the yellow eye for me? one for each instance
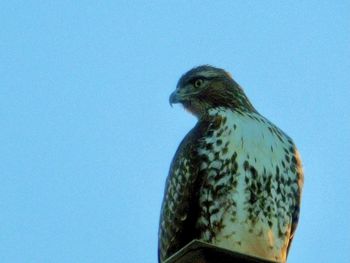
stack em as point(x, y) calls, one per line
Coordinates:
point(198, 83)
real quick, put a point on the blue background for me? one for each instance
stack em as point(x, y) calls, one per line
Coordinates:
point(87, 134)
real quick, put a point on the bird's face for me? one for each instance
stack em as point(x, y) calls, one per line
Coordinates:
point(206, 87)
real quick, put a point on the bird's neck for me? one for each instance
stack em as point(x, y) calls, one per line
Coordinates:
point(212, 114)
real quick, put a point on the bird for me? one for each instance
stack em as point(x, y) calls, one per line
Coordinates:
point(236, 178)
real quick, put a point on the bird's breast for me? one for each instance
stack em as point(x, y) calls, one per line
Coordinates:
point(245, 199)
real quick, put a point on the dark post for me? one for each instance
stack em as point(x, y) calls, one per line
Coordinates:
point(201, 252)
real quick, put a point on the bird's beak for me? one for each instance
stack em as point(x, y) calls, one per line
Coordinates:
point(175, 97)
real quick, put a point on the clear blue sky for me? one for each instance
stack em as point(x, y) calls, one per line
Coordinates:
point(87, 134)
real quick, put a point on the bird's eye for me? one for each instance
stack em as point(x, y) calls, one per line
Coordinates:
point(198, 83)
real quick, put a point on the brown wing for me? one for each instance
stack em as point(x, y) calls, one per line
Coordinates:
point(180, 204)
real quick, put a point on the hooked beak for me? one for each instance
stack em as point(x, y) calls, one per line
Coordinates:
point(175, 97)
point(181, 95)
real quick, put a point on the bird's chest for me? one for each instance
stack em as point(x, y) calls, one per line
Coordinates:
point(242, 195)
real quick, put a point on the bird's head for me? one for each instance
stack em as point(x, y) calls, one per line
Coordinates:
point(206, 87)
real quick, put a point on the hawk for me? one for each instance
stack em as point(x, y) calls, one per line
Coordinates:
point(236, 178)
